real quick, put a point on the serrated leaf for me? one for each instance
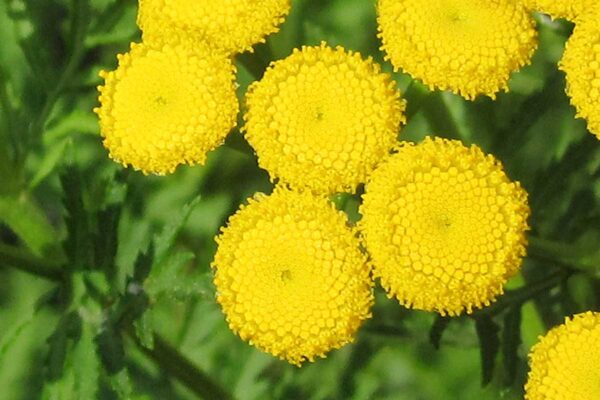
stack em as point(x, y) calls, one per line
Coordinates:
point(437, 330)
point(67, 330)
point(12, 334)
point(29, 223)
point(121, 384)
point(106, 240)
point(489, 344)
point(165, 240)
point(144, 329)
point(511, 340)
point(143, 264)
point(52, 157)
point(77, 245)
point(110, 348)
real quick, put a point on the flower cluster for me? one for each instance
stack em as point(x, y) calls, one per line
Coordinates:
point(290, 276)
point(569, 9)
point(231, 26)
point(581, 64)
point(172, 98)
point(323, 118)
point(467, 46)
point(444, 226)
point(564, 364)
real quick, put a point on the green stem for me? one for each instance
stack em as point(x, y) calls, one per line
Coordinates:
point(564, 255)
point(24, 261)
point(79, 27)
point(519, 296)
point(178, 366)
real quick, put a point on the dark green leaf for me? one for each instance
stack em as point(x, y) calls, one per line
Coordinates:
point(68, 329)
point(144, 329)
point(437, 330)
point(77, 244)
point(511, 340)
point(489, 344)
point(110, 347)
point(106, 240)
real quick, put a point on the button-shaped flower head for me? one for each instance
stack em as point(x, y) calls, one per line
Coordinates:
point(229, 25)
point(323, 118)
point(163, 107)
point(581, 64)
point(444, 226)
point(467, 46)
point(290, 276)
point(565, 362)
point(569, 9)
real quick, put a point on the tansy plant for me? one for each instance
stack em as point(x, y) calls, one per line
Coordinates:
point(308, 198)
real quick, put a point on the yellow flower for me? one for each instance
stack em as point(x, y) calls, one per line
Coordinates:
point(565, 363)
point(569, 9)
point(230, 25)
point(444, 226)
point(581, 64)
point(467, 46)
point(323, 118)
point(290, 276)
point(165, 107)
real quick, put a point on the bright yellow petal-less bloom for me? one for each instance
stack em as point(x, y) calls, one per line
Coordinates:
point(467, 46)
point(229, 25)
point(167, 106)
point(581, 64)
point(569, 9)
point(444, 226)
point(565, 363)
point(323, 118)
point(290, 276)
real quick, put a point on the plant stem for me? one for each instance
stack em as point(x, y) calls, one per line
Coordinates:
point(181, 368)
point(24, 261)
point(519, 296)
point(564, 255)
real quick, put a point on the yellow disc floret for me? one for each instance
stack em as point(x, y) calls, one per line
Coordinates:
point(229, 25)
point(444, 226)
point(565, 364)
point(569, 9)
point(165, 107)
point(290, 276)
point(323, 118)
point(581, 63)
point(467, 46)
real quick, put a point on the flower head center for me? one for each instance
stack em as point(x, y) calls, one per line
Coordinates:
point(286, 276)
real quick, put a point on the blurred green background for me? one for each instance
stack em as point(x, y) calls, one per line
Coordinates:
point(50, 54)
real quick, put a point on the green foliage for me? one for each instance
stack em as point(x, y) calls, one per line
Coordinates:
point(126, 305)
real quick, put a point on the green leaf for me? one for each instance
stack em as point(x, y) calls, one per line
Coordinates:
point(121, 384)
point(52, 157)
point(77, 245)
point(67, 331)
point(437, 330)
point(489, 344)
point(29, 223)
point(12, 334)
point(165, 240)
point(106, 239)
point(144, 329)
point(511, 340)
point(110, 347)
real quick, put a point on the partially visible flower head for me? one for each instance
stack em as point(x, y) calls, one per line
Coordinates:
point(444, 226)
point(229, 25)
point(565, 363)
point(569, 9)
point(467, 46)
point(323, 118)
point(290, 276)
point(165, 107)
point(581, 64)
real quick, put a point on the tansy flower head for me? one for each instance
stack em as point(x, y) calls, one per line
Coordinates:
point(569, 9)
point(581, 63)
point(444, 226)
point(229, 25)
point(467, 46)
point(165, 107)
point(290, 276)
point(323, 118)
point(565, 364)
